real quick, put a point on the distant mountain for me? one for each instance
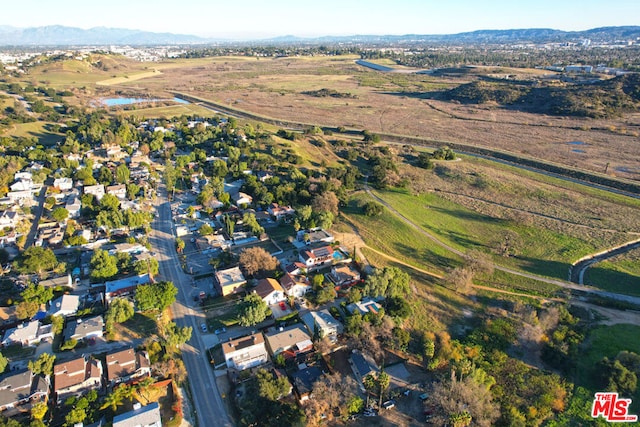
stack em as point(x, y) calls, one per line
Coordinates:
point(57, 35)
point(528, 35)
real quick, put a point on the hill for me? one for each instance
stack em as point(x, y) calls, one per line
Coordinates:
point(603, 99)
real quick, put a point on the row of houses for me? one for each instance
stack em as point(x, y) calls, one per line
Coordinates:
point(254, 350)
point(75, 377)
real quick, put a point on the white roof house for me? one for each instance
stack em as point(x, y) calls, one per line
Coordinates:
point(141, 416)
point(65, 305)
point(96, 190)
point(245, 352)
point(63, 184)
point(26, 334)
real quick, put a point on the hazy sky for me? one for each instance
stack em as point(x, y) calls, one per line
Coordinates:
point(262, 18)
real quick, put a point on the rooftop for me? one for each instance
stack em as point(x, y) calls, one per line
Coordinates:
point(242, 342)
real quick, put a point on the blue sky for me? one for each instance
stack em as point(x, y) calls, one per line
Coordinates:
point(265, 18)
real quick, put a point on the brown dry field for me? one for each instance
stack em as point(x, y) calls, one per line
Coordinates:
point(394, 103)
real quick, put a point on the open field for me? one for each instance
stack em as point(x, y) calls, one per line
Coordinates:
point(603, 342)
point(128, 78)
point(170, 111)
point(390, 235)
point(618, 274)
point(34, 130)
point(396, 103)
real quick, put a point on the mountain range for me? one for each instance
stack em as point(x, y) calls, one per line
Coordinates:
point(57, 35)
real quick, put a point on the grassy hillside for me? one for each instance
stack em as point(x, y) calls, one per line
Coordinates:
point(609, 98)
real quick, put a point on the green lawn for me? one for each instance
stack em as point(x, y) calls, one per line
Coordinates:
point(541, 251)
point(35, 130)
point(607, 341)
point(387, 233)
point(620, 274)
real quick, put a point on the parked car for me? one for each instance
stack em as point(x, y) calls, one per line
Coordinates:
point(389, 404)
point(220, 331)
point(203, 326)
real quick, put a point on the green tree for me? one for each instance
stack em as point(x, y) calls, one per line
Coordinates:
point(132, 190)
point(155, 296)
point(109, 203)
point(122, 174)
point(383, 381)
point(205, 230)
point(253, 311)
point(43, 364)
point(229, 225)
point(27, 309)
point(174, 336)
point(120, 310)
point(60, 214)
point(103, 265)
point(249, 220)
point(39, 410)
point(424, 161)
point(105, 176)
point(3, 363)
point(616, 377)
point(37, 293)
point(180, 244)
point(270, 387)
point(117, 397)
point(146, 266)
point(37, 259)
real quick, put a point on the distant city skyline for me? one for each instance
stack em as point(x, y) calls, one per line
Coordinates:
point(251, 19)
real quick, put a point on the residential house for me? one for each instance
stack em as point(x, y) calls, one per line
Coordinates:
point(288, 341)
point(362, 365)
point(303, 381)
point(63, 184)
point(242, 199)
point(314, 236)
point(27, 334)
point(127, 366)
point(24, 184)
point(141, 416)
point(322, 323)
point(316, 257)
point(76, 376)
point(58, 282)
point(366, 305)
point(19, 390)
point(278, 212)
point(64, 305)
point(96, 190)
point(270, 291)
point(81, 329)
point(120, 191)
point(245, 352)
point(344, 275)
point(9, 219)
point(124, 286)
point(73, 206)
point(264, 175)
point(23, 197)
point(229, 281)
point(295, 285)
point(129, 248)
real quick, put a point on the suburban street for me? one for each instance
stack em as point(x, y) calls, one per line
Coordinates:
point(205, 397)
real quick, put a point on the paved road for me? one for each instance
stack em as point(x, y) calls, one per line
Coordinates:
point(31, 237)
point(209, 408)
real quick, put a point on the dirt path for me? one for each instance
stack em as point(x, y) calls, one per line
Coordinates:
point(557, 282)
